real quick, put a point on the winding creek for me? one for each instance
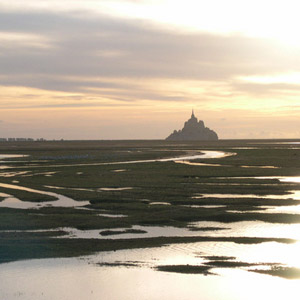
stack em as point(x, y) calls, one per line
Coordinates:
point(193, 156)
point(13, 202)
point(63, 201)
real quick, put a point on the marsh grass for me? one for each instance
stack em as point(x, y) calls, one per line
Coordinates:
point(120, 264)
point(191, 228)
point(169, 182)
point(44, 245)
point(218, 258)
point(114, 232)
point(229, 264)
point(186, 269)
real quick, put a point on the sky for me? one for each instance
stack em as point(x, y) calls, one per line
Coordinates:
point(129, 69)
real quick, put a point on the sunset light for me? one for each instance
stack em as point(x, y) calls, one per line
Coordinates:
point(149, 149)
point(236, 58)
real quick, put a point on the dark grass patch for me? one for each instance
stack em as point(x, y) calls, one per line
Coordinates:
point(280, 271)
point(31, 234)
point(57, 217)
point(120, 264)
point(206, 228)
point(15, 247)
point(229, 264)
point(186, 269)
point(218, 258)
point(113, 232)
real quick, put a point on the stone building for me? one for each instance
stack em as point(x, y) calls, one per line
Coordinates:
point(193, 130)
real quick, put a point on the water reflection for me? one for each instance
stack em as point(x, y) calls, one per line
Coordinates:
point(149, 232)
point(4, 156)
point(115, 189)
point(82, 279)
point(13, 174)
point(295, 195)
point(62, 201)
point(281, 209)
point(194, 155)
point(254, 229)
point(292, 179)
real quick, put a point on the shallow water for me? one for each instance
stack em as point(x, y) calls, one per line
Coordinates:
point(159, 203)
point(253, 229)
point(4, 156)
point(13, 174)
point(77, 279)
point(112, 215)
point(195, 155)
point(67, 188)
point(205, 206)
point(237, 229)
point(151, 232)
point(62, 201)
point(261, 167)
point(115, 189)
point(199, 164)
point(38, 174)
point(295, 195)
point(67, 279)
point(4, 195)
point(292, 179)
point(281, 209)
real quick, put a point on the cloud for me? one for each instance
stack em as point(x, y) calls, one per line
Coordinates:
point(109, 63)
point(62, 61)
point(106, 47)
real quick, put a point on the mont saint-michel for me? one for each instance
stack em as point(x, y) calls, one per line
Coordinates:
point(193, 130)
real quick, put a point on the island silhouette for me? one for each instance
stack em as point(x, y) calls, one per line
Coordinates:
point(193, 130)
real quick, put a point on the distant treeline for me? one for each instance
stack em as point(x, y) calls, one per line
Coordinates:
point(20, 139)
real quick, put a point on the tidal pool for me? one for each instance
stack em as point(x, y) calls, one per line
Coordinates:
point(149, 232)
point(13, 174)
point(295, 195)
point(115, 189)
point(253, 229)
point(62, 201)
point(76, 279)
point(4, 156)
point(295, 209)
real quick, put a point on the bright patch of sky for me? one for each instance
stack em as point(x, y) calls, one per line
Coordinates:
point(288, 78)
point(259, 18)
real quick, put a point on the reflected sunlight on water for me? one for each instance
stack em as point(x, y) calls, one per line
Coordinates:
point(295, 195)
point(62, 201)
point(254, 229)
point(76, 279)
point(69, 279)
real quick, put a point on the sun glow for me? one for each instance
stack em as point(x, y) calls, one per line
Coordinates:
point(287, 78)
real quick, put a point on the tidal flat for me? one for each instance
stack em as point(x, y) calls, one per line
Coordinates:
point(87, 201)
